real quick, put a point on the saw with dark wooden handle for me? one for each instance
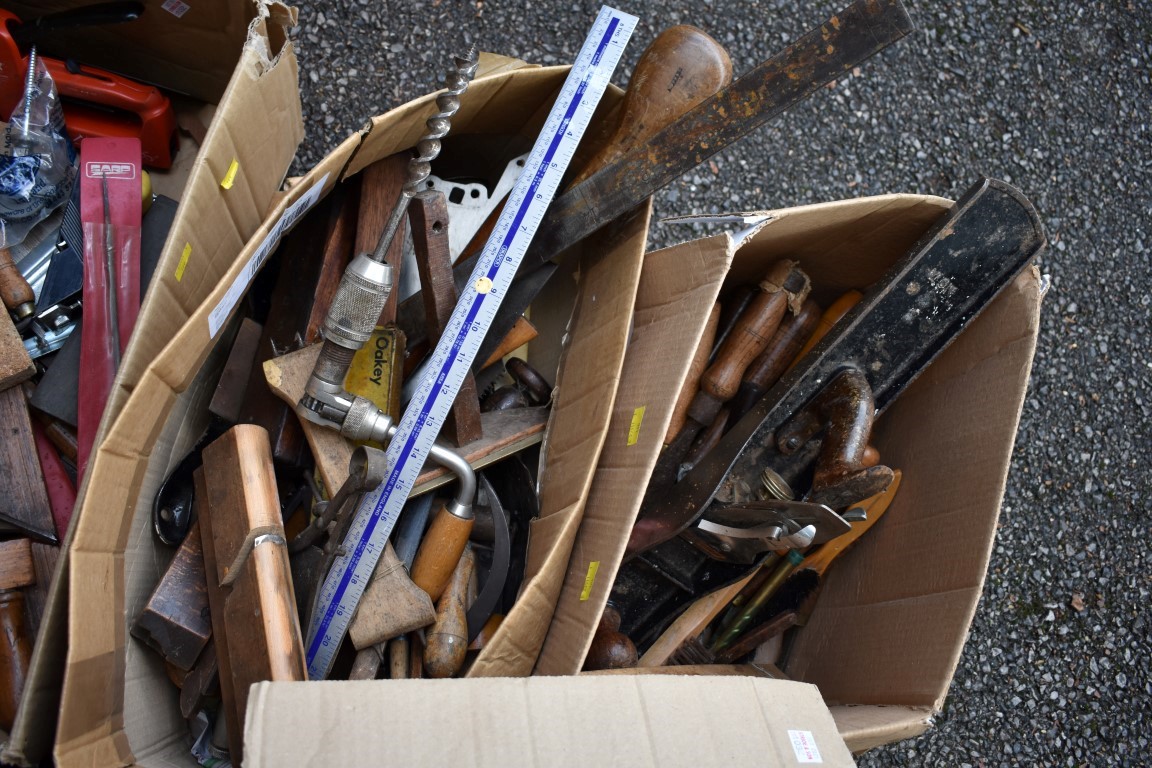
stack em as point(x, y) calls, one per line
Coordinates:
point(824, 53)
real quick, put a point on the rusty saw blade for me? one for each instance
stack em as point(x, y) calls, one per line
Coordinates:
point(824, 53)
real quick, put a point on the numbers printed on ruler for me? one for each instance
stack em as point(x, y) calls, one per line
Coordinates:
point(464, 332)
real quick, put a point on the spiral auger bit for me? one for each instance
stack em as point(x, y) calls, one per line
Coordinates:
point(366, 284)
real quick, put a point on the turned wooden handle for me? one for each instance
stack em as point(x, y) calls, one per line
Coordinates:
point(837, 310)
point(14, 289)
point(790, 338)
point(610, 648)
point(15, 657)
point(680, 68)
point(446, 643)
point(751, 334)
point(695, 370)
point(440, 551)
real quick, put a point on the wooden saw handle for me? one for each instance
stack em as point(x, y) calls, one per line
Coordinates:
point(682, 67)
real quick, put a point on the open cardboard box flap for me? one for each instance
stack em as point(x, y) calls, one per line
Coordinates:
point(628, 720)
point(255, 129)
point(884, 642)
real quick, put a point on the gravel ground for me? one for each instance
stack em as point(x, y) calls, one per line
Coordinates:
point(1053, 98)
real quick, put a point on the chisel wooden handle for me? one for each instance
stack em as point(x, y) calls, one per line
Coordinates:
point(678, 70)
point(753, 330)
point(447, 641)
point(14, 289)
point(440, 551)
point(790, 337)
point(837, 310)
point(16, 571)
point(695, 370)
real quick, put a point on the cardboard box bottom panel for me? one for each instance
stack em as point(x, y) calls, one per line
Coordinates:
point(892, 619)
point(665, 721)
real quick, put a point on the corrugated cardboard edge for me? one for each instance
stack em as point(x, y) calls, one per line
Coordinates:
point(678, 287)
point(271, 83)
point(582, 721)
point(582, 404)
point(868, 727)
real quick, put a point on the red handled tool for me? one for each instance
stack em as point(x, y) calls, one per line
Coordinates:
point(96, 102)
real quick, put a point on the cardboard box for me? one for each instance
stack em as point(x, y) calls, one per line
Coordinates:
point(585, 721)
point(232, 59)
point(885, 639)
point(118, 706)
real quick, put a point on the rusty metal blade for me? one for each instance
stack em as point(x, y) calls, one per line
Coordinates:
point(826, 52)
point(905, 320)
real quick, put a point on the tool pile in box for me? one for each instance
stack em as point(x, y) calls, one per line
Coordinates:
point(310, 538)
point(80, 233)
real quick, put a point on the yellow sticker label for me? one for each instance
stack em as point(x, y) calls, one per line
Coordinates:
point(230, 177)
point(183, 261)
point(634, 429)
point(589, 580)
point(483, 285)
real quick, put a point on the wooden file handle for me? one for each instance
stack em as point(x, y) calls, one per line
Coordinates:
point(14, 289)
point(440, 551)
point(680, 68)
point(695, 370)
point(447, 640)
point(751, 334)
point(794, 332)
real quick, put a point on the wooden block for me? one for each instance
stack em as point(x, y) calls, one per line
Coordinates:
point(250, 590)
point(176, 621)
point(15, 364)
point(391, 605)
point(505, 432)
point(428, 213)
point(380, 185)
point(16, 568)
point(24, 502)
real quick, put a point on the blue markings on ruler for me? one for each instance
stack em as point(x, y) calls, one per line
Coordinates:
point(458, 355)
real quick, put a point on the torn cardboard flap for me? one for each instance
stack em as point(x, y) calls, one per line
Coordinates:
point(258, 123)
point(611, 720)
point(592, 357)
point(678, 287)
